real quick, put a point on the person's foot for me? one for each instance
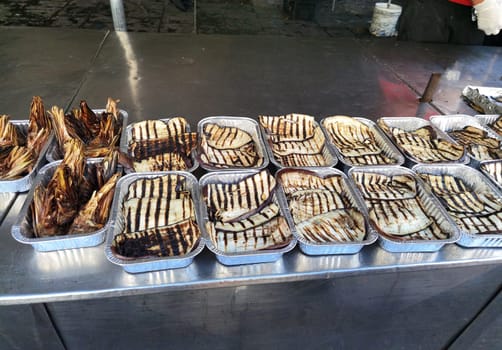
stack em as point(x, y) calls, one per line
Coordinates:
point(182, 5)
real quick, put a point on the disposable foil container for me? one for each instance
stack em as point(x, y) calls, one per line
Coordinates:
point(431, 208)
point(24, 183)
point(382, 141)
point(21, 229)
point(487, 121)
point(479, 183)
point(330, 159)
point(484, 98)
point(449, 123)
point(128, 140)
point(54, 153)
point(154, 263)
point(246, 124)
point(251, 257)
point(411, 124)
point(314, 248)
point(483, 167)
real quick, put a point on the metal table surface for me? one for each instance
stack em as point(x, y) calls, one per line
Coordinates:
point(162, 75)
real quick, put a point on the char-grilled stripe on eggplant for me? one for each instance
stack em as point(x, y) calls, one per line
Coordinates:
point(308, 203)
point(272, 234)
point(245, 156)
point(471, 134)
point(445, 184)
point(157, 129)
point(473, 203)
point(261, 217)
point(311, 145)
point(236, 201)
point(290, 127)
point(494, 170)
point(183, 144)
point(341, 225)
point(380, 186)
point(175, 240)
point(302, 160)
point(225, 137)
point(371, 159)
point(398, 217)
point(293, 180)
point(147, 213)
point(163, 162)
point(487, 224)
point(497, 125)
point(167, 186)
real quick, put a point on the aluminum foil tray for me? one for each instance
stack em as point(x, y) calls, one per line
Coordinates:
point(248, 125)
point(259, 256)
point(328, 154)
point(487, 121)
point(22, 233)
point(313, 248)
point(117, 223)
point(480, 184)
point(483, 167)
point(484, 99)
point(24, 183)
point(432, 208)
point(411, 124)
point(448, 123)
point(53, 154)
point(128, 137)
point(388, 148)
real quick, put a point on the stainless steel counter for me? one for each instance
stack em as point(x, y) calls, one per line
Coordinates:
point(196, 76)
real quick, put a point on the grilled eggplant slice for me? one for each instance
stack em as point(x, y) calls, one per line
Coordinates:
point(163, 162)
point(293, 180)
point(380, 186)
point(170, 186)
point(308, 203)
point(290, 127)
point(225, 137)
point(494, 170)
point(244, 156)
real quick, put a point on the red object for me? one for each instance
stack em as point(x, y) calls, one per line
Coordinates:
point(462, 2)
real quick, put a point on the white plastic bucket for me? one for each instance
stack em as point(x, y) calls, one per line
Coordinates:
point(385, 19)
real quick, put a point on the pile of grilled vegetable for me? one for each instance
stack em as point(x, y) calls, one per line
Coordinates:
point(20, 147)
point(473, 211)
point(356, 141)
point(478, 143)
point(395, 209)
point(78, 196)
point(423, 145)
point(97, 131)
point(494, 170)
point(244, 216)
point(295, 139)
point(158, 218)
point(321, 208)
point(228, 147)
point(157, 145)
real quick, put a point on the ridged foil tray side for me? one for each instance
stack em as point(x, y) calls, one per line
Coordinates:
point(432, 208)
point(487, 120)
point(482, 168)
point(412, 124)
point(483, 97)
point(248, 125)
point(448, 123)
point(20, 230)
point(24, 183)
point(128, 137)
point(254, 257)
point(382, 141)
point(328, 154)
point(116, 219)
point(313, 248)
point(54, 155)
point(480, 183)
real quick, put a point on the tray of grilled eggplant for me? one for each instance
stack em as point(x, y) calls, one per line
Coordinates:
point(69, 203)
point(481, 142)
point(358, 142)
point(492, 121)
point(98, 129)
point(228, 143)
point(23, 146)
point(421, 142)
point(493, 170)
point(156, 222)
point(244, 218)
point(406, 216)
point(162, 145)
point(296, 140)
point(471, 200)
point(324, 212)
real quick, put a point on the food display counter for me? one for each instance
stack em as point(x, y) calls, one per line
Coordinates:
point(77, 299)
